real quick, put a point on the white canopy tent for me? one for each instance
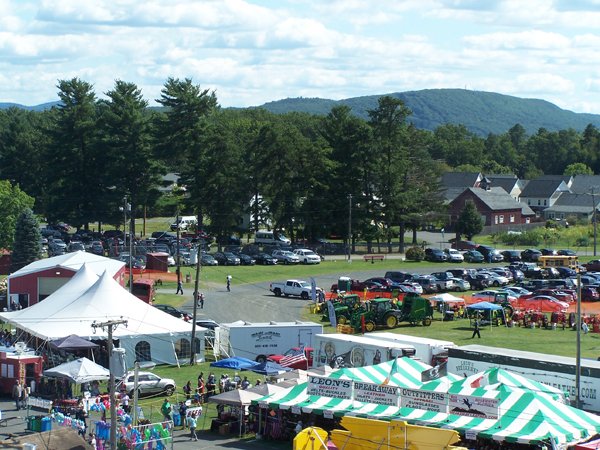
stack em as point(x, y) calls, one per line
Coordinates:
point(150, 334)
point(79, 371)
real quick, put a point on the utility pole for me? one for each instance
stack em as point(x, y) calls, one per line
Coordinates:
point(178, 262)
point(111, 325)
point(594, 218)
point(349, 226)
point(131, 227)
point(578, 349)
point(196, 297)
point(127, 207)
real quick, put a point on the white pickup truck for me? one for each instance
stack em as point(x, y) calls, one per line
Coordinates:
point(303, 289)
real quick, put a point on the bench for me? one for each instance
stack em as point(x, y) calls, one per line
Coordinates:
point(373, 258)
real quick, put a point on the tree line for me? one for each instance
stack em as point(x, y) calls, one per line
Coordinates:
point(298, 172)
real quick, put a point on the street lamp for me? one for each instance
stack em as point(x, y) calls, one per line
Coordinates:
point(594, 218)
point(349, 226)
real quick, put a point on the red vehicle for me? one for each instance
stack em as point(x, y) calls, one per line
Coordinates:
point(295, 359)
point(144, 290)
point(559, 294)
point(589, 294)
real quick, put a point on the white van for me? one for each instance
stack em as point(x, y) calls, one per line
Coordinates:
point(270, 237)
point(185, 222)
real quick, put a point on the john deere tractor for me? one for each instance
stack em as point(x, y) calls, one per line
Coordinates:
point(378, 312)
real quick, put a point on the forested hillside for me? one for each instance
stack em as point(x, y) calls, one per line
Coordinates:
point(481, 112)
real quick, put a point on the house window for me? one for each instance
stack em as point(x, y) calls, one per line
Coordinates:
point(501, 217)
point(527, 220)
point(511, 218)
point(539, 202)
point(545, 202)
point(529, 201)
point(496, 220)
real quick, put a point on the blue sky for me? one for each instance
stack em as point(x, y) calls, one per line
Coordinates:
point(252, 51)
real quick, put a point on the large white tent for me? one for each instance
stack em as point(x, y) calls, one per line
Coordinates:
point(86, 299)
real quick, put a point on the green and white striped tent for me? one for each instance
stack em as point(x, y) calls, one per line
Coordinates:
point(526, 416)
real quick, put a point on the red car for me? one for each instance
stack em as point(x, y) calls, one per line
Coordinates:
point(559, 294)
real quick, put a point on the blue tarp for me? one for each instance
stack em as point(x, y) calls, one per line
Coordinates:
point(235, 362)
point(484, 306)
point(268, 368)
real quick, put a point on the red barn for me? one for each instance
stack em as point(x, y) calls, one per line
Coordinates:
point(38, 280)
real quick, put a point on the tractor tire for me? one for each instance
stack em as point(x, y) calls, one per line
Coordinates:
point(391, 321)
point(370, 326)
point(427, 321)
point(277, 292)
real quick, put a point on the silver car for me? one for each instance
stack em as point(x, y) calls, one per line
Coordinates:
point(149, 383)
point(286, 257)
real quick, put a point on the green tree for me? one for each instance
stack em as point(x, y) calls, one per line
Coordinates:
point(469, 221)
point(27, 246)
point(132, 169)
point(180, 136)
point(75, 163)
point(13, 201)
point(578, 169)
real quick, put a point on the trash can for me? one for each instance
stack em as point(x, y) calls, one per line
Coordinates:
point(188, 278)
point(34, 423)
point(46, 424)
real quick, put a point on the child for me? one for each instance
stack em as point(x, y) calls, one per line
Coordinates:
point(192, 423)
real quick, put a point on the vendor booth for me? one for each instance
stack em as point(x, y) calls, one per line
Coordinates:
point(487, 313)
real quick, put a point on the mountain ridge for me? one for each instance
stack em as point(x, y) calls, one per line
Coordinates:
point(479, 111)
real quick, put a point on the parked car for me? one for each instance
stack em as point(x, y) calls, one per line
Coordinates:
point(454, 255)
point(531, 255)
point(265, 259)
point(490, 254)
point(285, 257)
point(564, 296)
point(435, 255)
point(593, 265)
point(511, 255)
point(148, 383)
point(463, 245)
point(97, 248)
point(307, 256)
point(428, 284)
point(548, 252)
point(461, 285)
point(174, 312)
point(567, 252)
point(531, 303)
point(490, 296)
point(589, 294)
point(416, 287)
point(76, 246)
point(226, 259)
point(479, 280)
point(208, 260)
point(497, 280)
point(245, 260)
point(398, 277)
point(473, 256)
point(515, 291)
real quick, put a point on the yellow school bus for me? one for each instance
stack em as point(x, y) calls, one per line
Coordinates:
point(569, 261)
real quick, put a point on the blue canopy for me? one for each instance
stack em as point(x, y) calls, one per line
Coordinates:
point(235, 362)
point(268, 368)
point(484, 306)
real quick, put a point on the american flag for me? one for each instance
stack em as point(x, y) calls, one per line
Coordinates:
point(292, 357)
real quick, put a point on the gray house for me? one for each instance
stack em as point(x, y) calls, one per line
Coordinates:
point(543, 192)
point(570, 204)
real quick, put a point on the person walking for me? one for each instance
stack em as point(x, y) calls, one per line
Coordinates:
point(476, 329)
point(17, 393)
point(179, 287)
point(125, 402)
point(201, 300)
point(192, 423)
point(228, 283)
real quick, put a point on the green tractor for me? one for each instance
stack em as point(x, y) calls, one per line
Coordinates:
point(378, 312)
point(416, 309)
point(345, 306)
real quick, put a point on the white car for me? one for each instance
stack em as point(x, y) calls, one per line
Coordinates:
point(496, 280)
point(461, 285)
point(490, 296)
point(307, 256)
point(515, 290)
point(454, 255)
point(149, 383)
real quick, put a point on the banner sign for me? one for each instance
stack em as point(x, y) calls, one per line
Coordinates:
point(467, 405)
point(327, 387)
point(376, 393)
point(331, 313)
point(427, 400)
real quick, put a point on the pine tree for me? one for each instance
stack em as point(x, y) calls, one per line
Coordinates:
point(27, 244)
point(469, 222)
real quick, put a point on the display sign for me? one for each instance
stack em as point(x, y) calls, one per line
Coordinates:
point(376, 393)
point(427, 400)
point(468, 405)
point(328, 387)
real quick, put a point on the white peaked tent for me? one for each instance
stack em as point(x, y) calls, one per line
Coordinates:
point(86, 299)
point(81, 370)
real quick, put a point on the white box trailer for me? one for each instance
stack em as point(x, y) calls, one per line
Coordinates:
point(257, 341)
point(430, 351)
point(557, 371)
point(343, 350)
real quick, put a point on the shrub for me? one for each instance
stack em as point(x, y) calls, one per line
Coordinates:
point(415, 254)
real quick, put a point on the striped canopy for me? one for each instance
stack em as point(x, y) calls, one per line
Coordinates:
point(529, 411)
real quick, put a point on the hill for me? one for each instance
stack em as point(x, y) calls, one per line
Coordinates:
point(480, 112)
point(41, 107)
